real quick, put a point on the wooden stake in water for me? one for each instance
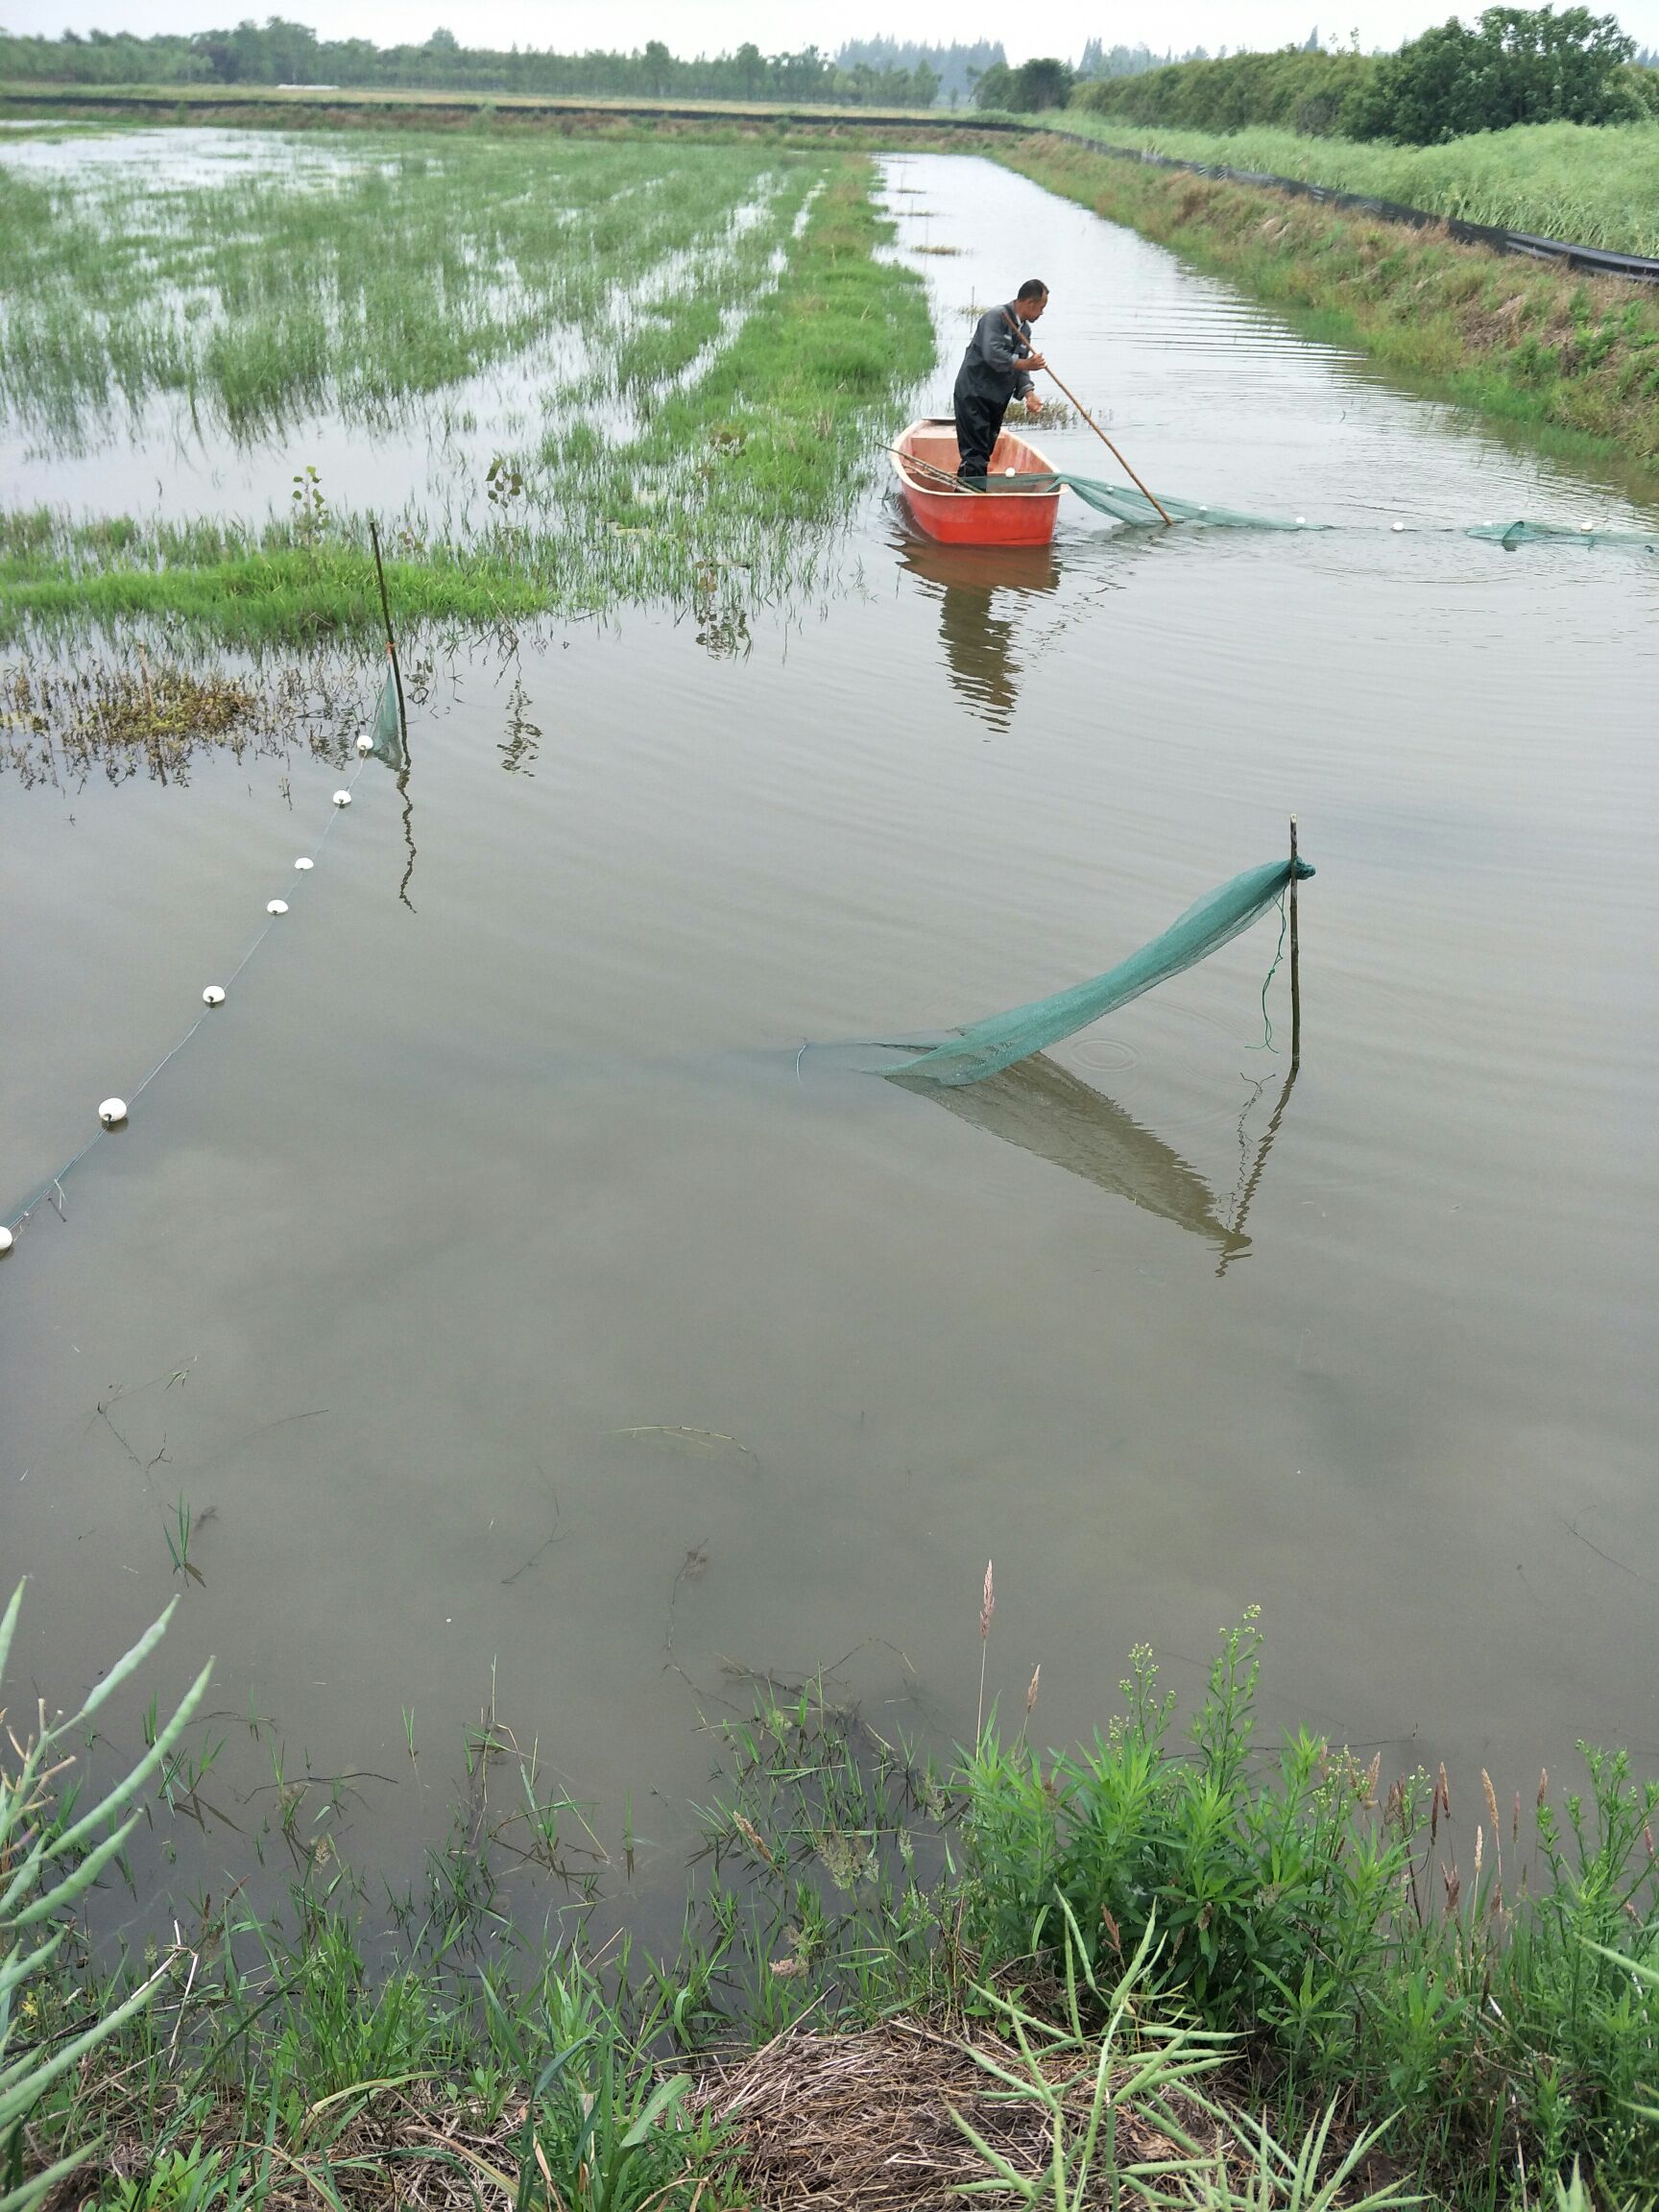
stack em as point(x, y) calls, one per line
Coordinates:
point(390, 641)
point(1295, 962)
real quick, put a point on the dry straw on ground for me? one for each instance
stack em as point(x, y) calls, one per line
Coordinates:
point(867, 2122)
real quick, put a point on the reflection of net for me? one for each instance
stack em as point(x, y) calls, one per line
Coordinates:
point(997, 1042)
point(1124, 504)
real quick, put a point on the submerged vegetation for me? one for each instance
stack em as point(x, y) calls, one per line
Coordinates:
point(1145, 1973)
point(631, 373)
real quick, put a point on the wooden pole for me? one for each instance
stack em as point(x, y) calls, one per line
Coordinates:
point(1096, 427)
point(1272, 1130)
point(391, 643)
point(1295, 962)
point(1168, 519)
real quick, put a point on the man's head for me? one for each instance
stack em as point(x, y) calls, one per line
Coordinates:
point(1031, 298)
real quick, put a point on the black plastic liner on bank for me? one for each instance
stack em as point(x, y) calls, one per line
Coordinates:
point(1634, 266)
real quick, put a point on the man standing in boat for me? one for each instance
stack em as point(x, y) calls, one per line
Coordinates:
point(997, 370)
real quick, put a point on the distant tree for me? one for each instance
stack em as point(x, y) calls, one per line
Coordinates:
point(993, 88)
point(1519, 65)
point(1042, 84)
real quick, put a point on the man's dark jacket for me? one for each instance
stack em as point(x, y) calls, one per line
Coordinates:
point(991, 365)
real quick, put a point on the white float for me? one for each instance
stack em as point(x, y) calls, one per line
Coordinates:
point(276, 906)
point(113, 1113)
point(5, 1242)
point(1586, 525)
point(303, 863)
point(342, 798)
point(364, 744)
point(213, 996)
point(1399, 525)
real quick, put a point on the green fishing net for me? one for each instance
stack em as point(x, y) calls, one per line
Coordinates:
point(985, 1046)
point(386, 731)
point(1124, 504)
point(1507, 534)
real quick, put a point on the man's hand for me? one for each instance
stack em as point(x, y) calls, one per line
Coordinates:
point(1033, 405)
point(1033, 361)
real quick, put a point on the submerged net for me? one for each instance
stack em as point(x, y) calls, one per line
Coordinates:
point(1124, 504)
point(1509, 534)
point(386, 731)
point(997, 1042)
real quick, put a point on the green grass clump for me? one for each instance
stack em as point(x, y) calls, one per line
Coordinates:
point(1483, 1981)
point(1587, 184)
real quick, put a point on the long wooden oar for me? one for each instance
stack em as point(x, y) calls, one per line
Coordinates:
point(1093, 425)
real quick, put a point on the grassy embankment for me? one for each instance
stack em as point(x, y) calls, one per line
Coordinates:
point(1586, 185)
point(1572, 360)
point(702, 345)
point(1145, 1973)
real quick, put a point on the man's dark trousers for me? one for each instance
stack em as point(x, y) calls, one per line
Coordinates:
point(979, 427)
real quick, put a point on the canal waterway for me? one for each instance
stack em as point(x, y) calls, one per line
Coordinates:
point(525, 1316)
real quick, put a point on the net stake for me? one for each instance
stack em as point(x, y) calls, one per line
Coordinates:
point(1295, 962)
point(1168, 519)
point(386, 617)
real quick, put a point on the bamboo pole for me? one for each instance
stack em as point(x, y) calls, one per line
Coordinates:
point(391, 643)
point(1149, 496)
point(1295, 962)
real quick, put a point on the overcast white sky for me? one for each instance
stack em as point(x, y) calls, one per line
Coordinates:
point(708, 26)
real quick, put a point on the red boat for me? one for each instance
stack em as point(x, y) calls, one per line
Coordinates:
point(926, 461)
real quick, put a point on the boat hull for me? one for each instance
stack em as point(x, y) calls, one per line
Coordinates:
point(989, 517)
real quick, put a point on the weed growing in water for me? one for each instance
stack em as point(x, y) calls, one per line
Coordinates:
point(179, 1545)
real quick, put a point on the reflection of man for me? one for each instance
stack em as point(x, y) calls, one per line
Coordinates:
point(994, 373)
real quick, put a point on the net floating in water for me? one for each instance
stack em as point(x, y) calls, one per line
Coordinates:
point(1124, 504)
point(1002, 1038)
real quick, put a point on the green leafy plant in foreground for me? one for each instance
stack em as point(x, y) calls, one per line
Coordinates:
point(1120, 2057)
point(50, 1856)
point(1504, 2008)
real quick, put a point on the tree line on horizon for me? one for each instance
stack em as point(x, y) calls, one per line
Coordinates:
point(1515, 64)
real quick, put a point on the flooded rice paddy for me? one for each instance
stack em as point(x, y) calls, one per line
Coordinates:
point(530, 1306)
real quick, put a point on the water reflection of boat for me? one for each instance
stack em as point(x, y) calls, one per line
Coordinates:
point(1046, 1110)
point(971, 584)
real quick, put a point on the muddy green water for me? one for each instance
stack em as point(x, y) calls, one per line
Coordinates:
point(522, 1216)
